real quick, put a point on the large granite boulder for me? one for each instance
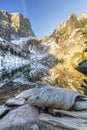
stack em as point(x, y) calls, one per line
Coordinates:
point(24, 117)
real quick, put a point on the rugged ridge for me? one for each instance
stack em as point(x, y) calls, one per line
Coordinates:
point(69, 43)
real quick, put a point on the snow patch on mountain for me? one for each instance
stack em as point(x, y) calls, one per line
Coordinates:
point(21, 40)
point(9, 61)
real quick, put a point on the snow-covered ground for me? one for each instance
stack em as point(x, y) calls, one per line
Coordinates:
point(21, 41)
point(9, 61)
point(1, 39)
point(21, 80)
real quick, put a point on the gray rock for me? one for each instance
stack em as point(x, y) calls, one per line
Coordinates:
point(19, 118)
point(83, 67)
point(25, 118)
point(65, 122)
point(50, 97)
point(15, 102)
point(35, 127)
point(3, 111)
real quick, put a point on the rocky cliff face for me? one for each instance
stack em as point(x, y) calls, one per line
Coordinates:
point(69, 43)
point(59, 59)
point(14, 25)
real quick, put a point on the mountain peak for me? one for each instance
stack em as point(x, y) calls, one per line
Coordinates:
point(83, 20)
point(4, 11)
point(14, 25)
point(72, 23)
point(21, 25)
point(72, 16)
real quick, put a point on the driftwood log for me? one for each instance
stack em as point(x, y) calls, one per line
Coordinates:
point(53, 97)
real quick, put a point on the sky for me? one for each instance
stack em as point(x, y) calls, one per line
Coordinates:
point(45, 15)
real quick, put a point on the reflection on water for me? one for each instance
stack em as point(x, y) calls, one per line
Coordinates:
point(22, 66)
point(10, 67)
point(12, 76)
point(17, 74)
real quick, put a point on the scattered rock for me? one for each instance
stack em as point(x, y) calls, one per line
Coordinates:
point(15, 102)
point(34, 127)
point(38, 116)
point(25, 118)
point(75, 114)
point(66, 122)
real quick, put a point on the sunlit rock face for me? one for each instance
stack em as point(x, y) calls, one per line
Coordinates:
point(20, 26)
point(71, 24)
point(57, 59)
point(14, 25)
point(69, 43)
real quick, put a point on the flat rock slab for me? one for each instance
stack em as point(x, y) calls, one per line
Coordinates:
point(74, 114)
point(15, 102)
point(65, 122)
point(16, 119)
point(25, 117)
point(3, 111)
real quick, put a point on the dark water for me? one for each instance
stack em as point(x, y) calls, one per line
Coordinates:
point(12, 81)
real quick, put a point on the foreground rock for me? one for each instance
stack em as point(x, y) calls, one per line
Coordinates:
point(20, 118)
point(25, 117)
point(45, 108)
